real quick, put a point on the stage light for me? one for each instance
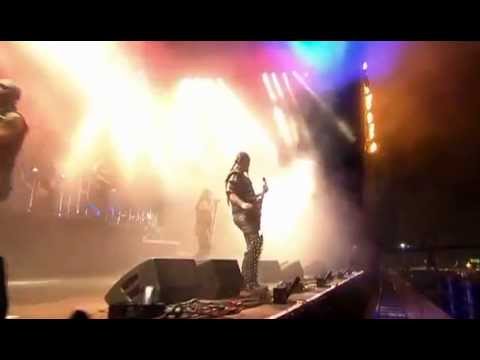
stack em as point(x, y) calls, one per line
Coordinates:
point(371, 131)
point(346, 130)
point(365, 66)
point(369, 101)
point(322, 55)
point(193, 132)
point(341, 125)
point(369, 117)
point(366, 90)
point(403, 245)
point(113, 91)
point(268, 86)
point(289, 88)
point(372, 147)
point(35, 170)
point(278, 87)
point(469, 266)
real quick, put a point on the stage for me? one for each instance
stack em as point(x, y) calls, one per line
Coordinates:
point(29, 300)
point(302, 303)
point(45, 286)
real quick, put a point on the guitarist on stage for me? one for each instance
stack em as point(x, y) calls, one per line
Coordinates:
point(246, 211)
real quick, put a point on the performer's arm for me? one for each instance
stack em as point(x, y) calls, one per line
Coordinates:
point(12, 124)
point(234, 199)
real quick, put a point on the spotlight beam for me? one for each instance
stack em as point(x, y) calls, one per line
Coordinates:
point(341, 124)
point(268, 86)
point(289, 88)
point(278, 87)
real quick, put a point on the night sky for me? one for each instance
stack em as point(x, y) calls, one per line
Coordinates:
point(428, 114)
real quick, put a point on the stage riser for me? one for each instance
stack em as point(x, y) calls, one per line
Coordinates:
point(36, 247)
point(347, 301)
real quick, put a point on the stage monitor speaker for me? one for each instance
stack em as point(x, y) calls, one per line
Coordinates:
point(156, 281)
point(3, 290)
point(219, 279)
point(292, 270)
point(269, 271)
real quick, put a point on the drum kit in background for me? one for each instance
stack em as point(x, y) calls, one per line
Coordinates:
point(88, 196)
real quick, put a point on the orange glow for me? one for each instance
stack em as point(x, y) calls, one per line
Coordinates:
point(190, 135)
point(206, 120)
point(369, 102)
point(372, 148)
point(371, 131)
point(369, 117)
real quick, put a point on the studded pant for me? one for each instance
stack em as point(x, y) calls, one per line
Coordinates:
point(250, 227)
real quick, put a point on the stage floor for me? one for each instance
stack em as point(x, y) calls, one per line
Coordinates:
point(295, 301)
point(58, 298)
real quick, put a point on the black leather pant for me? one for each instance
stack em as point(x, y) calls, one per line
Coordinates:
point(250, 227)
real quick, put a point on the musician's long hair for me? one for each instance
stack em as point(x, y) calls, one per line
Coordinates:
point(205, 195)
point(240, 156)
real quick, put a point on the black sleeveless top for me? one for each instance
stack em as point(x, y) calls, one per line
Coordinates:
point(240, 185)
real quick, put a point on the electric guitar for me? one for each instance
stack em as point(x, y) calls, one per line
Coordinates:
point(259, 198)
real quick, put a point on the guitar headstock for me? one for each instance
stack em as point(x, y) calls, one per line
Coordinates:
point(265, 186)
